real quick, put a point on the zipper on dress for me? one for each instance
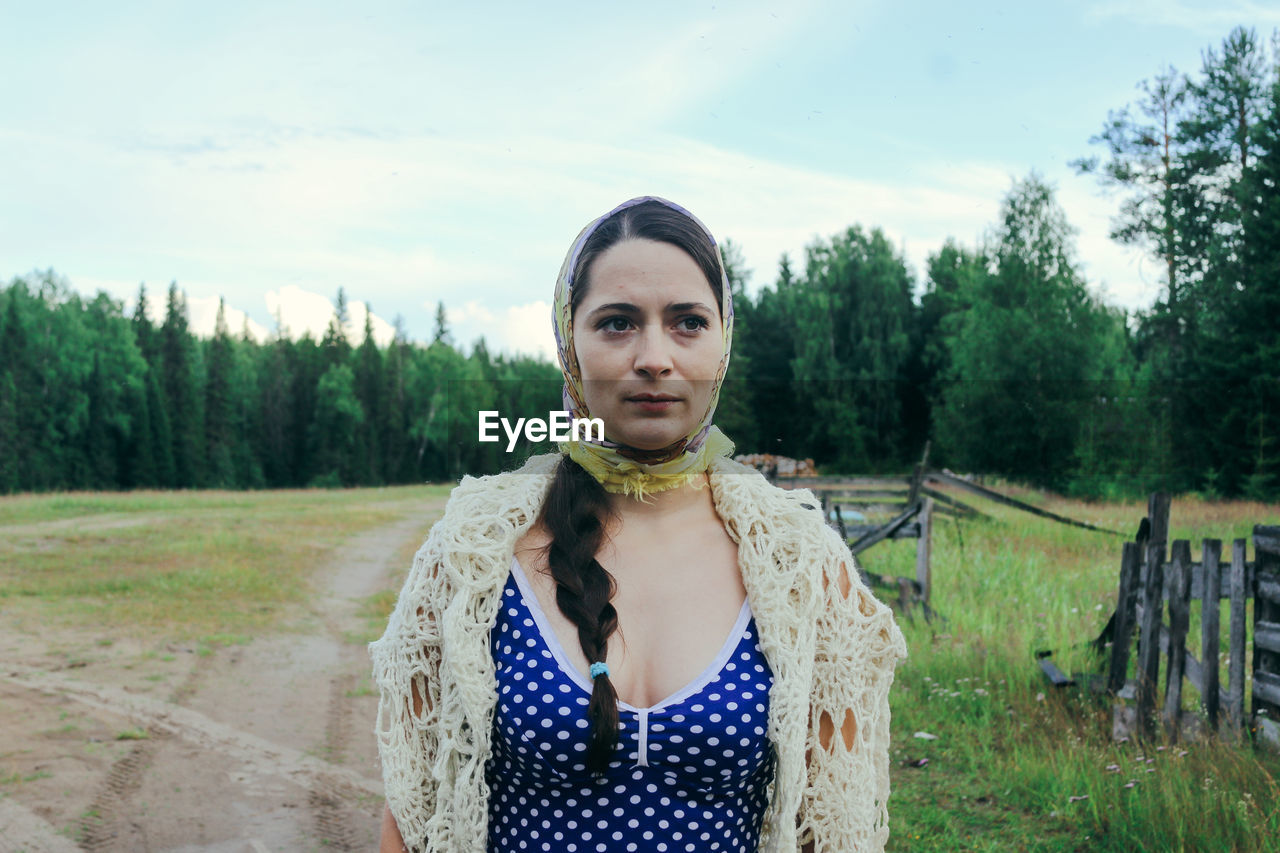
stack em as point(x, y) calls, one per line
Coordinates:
point(642, 751)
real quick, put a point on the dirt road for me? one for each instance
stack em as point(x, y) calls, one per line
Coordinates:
point(267, 746)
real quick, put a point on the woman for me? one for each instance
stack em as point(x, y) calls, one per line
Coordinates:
point(638, 644)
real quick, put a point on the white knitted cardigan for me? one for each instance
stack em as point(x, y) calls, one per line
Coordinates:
point(832, 658)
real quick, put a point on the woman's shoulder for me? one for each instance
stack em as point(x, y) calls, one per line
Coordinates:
point(482, 520)
point(743, 492)
point(479, 498)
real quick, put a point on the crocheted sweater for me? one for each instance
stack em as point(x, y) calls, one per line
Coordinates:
point(832, 657)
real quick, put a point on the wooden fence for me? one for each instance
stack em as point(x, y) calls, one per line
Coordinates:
point(912, 501)
point(1147, 581)
point(912, 505)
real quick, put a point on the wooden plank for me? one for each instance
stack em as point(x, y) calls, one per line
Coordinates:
point(1179, 622)
point(1266, 636)
point(1158, 504)
point(906, 531)
point(1126, 602)
point(819, 484)
point(1235, 641)
point(1266, 539)
point(884, 532)
point(917, 476)
point(961, 508)
point(1210, 630)
point(1266, 686)
point(863, 496)
point(1148, 676)
point(1266, 612)
point(1194, 671)
point(872, 510)
point(924, 546)
point(1224, 579)
point(1268, 590)
point(1055, 675)
point(948, 479)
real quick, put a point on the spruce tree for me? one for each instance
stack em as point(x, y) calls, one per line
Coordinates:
point(181, 393)
point(220, 434)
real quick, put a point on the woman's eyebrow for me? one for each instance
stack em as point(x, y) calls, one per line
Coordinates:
point(615, 308)
point(688, 306)
point(628, 308)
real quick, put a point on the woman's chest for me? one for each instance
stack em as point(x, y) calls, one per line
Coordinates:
point(675, 612)
point(708, 735)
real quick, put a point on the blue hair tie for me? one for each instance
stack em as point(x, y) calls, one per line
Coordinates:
point(598, 669)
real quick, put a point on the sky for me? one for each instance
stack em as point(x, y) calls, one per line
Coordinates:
point(415, 153)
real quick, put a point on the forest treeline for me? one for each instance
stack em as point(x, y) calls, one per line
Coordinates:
point(1007, 361)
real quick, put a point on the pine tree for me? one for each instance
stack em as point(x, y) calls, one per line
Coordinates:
point(1229, 104)
point(17, 400)
point(9, 435)
point(181, 393)
point(336, 347)
point(1256, 317)
point(220, 430)
point(441, 333)
point(369, 390)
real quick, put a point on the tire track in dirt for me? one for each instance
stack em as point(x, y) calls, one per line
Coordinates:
point(359, 570)
point(333, 825)
point(274, 752)
point(109, 823)
point(257, 756)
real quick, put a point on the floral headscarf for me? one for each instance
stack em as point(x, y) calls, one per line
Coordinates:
point(619, 468)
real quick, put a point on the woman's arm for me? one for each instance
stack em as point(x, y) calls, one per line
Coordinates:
point(392, 841)
point(406, 665)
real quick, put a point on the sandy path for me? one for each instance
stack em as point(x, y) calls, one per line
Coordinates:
point(261, 747)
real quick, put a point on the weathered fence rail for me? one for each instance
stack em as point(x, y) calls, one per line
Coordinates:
point(911, 502)
point(912, 507)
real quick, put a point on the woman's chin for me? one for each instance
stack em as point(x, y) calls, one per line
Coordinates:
point(645, 439)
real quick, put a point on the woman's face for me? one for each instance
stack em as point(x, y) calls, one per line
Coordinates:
point(648, 338)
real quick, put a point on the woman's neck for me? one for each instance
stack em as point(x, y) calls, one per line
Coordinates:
point(686, 499)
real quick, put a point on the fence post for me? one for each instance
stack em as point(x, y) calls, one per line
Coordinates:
point(1266, 633)
point(1235, 652)
point(1126, 605)
point(1210, 629)
point(1149, 650)
point(1179, 621)
point(917, 476)
point(924, 548)
point(1158, 514)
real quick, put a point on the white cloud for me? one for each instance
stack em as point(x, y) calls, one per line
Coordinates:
point(405, 222)
point(301, 311)
point(202, 316)
point(523, 329)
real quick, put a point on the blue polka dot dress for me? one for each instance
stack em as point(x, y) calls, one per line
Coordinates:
point(690, 773)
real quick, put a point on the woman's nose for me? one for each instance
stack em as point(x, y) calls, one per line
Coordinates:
point(653, 352)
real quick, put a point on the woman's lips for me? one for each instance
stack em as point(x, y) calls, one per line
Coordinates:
point(653, 402)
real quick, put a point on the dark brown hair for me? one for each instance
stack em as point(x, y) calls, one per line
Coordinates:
point(576, 508)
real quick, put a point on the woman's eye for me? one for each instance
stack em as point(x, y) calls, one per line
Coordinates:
point(616, 324)
point(693, 323)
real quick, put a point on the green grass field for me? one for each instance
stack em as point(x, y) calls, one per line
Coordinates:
point(178, 565)
point(1014, 766)
point(1019, 766)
